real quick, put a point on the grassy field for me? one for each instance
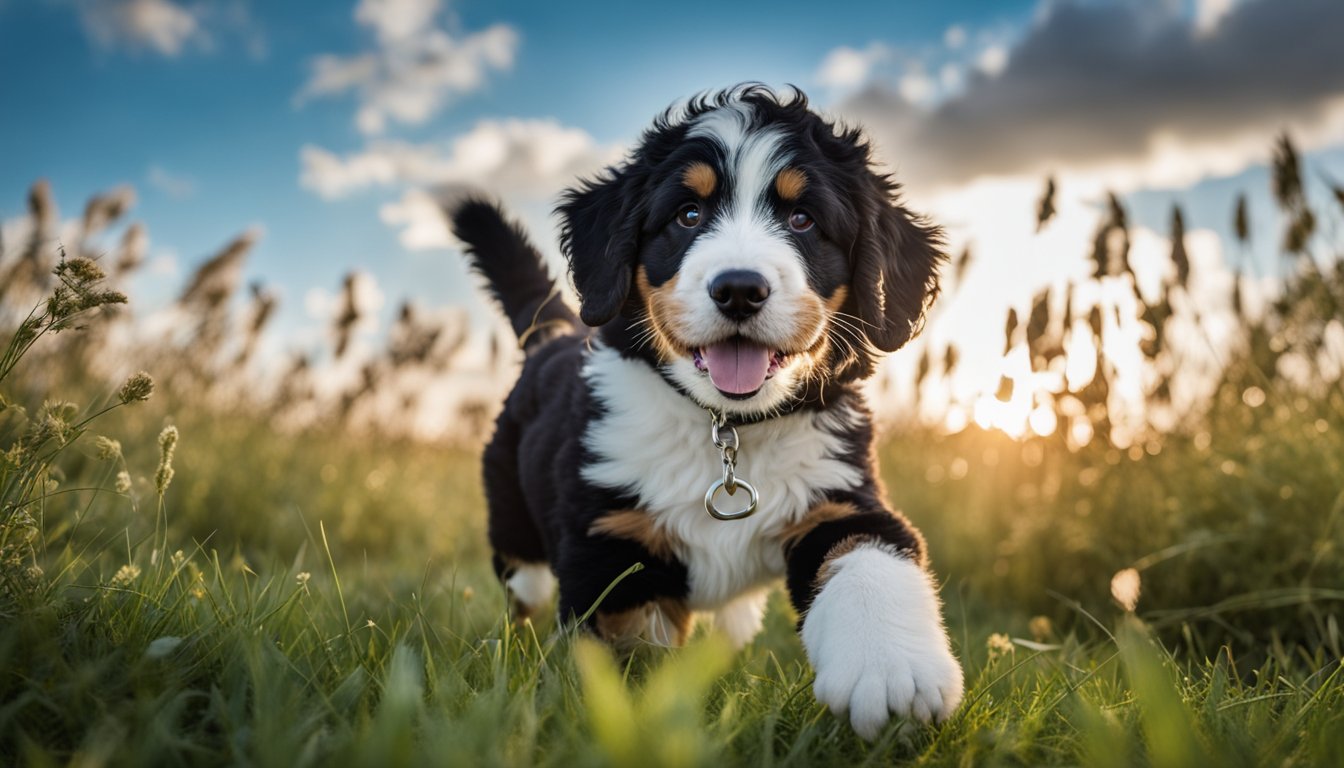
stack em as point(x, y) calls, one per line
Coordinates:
point(186, 578)
point(311, 600)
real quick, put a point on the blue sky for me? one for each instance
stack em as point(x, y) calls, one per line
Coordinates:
point(221, 118)
point(216, 112)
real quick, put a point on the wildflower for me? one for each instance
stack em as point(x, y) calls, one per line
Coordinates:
point(126, 574)
point(1125, 587)
point(178, 560)
point(21, 528)
point(197, 590)
point(302, 578)
point(137, 388)
point(467, 594)
point(108, 449)
point(999, 645)
point(81, 269)
point(167, 445)
point(1041, 628)
point(123, 483)
point(52, 423)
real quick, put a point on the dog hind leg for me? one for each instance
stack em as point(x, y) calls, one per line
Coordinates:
point(519, 552)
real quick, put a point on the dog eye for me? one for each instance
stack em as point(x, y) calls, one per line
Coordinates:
point(800, 220)
point(689, 216)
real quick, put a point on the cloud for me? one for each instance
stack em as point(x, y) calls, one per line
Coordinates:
point(169, 28)
point(522, 161)
point(419, 215)
point(845, 68)
point(171, 184)
point(992, 60)
point(955, 36)
point(1126, 85)
point(515, 158)
point(161, 26)
point(415, 68)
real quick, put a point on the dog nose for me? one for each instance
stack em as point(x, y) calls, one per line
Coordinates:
point(739, 293)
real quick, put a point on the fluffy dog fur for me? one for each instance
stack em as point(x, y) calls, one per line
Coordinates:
point(745, 259)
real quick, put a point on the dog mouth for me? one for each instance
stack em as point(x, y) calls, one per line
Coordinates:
point(737, 366)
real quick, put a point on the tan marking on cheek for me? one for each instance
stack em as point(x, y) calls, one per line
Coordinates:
point(837, 299)
point(636, 525)
point(808, 324)
point(700, 178)
point(790, 184)
point(816, 313)
point(663, 312)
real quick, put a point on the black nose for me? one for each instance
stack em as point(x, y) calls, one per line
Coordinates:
point(739, 293)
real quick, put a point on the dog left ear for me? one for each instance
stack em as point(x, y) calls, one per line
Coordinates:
point(897, 257)
point(599, 235)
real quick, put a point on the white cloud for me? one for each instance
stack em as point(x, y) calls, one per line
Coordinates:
point(161, 26)
point(415, 69)
point(1209, 13)
point(522, 158)
point(916, 87)
point(395, 20)
point(846, 68)
point(522, 161)
point(992, 60)
point(174, 185)
point(421, 220)
point(955, 36)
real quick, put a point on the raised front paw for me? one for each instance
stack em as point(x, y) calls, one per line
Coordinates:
point(875, 637)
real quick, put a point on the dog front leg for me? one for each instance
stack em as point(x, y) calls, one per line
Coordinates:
point(872, 623)
point(648, 605)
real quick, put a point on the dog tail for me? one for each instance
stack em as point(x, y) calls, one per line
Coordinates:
point(514, 271)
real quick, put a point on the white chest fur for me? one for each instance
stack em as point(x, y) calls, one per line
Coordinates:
point(654, 442)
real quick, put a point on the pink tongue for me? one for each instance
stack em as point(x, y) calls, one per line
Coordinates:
point(737, 366)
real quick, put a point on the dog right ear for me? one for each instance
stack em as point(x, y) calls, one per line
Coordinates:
point(599, 235)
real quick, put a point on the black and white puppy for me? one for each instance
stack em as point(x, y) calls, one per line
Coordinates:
point(745, 264)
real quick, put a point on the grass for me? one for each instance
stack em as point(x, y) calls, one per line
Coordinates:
point(394, 648)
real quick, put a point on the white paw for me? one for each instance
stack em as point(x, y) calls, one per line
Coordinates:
point(533, 586)
point(875, 638)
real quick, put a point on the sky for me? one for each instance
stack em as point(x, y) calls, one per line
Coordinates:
point(328, 127)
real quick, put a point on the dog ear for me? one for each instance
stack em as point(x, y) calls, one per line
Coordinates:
point(599, 235)
point(897, 257)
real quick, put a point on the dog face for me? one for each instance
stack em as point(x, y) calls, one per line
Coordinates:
point(751, 251)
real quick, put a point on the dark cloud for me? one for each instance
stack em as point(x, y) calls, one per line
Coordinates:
point(1095, 83)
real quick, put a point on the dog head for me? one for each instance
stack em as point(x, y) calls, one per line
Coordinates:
point(751, 251)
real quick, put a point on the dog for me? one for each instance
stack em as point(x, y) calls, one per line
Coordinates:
point(738, 276)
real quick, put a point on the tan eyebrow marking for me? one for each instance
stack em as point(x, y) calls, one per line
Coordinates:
point(700, 178)
point(790, 184)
